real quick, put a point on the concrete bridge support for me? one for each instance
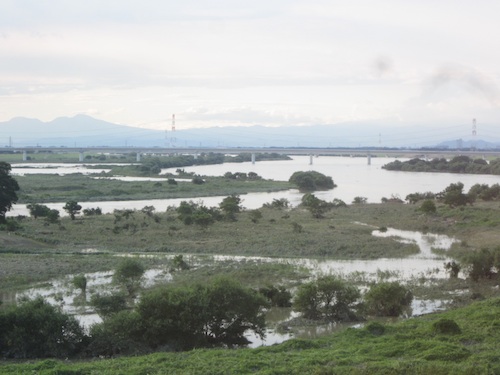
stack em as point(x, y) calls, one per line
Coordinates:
point(25, 155)
point(253, 157)
point(311, 159)
point(138, 157)
point(80, 156)
point(369, 157)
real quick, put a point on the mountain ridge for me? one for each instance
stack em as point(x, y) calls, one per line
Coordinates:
point(86, 131)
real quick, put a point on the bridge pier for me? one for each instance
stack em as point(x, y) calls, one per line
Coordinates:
point(311, 159)
point(253, 157)
point(195, 156)
point(369, 157)
point(80, 156)
point(138, 157)
point(25, 155)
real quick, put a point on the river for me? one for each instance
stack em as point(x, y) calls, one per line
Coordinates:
point(352, 175)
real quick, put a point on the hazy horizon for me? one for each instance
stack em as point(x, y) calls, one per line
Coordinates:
point(234, 63)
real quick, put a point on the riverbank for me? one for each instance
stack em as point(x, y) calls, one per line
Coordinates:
point(461, 341)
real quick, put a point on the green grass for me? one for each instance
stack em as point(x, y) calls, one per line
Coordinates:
point(410, 347)
point(53, 188)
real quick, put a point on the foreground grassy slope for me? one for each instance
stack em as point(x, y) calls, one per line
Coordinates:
point(410, 347)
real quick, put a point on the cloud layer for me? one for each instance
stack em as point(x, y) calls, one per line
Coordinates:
point(244, 63)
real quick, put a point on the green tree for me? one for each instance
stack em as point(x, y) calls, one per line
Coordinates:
point(428, 207)
point(230, 206)
point(178, 263)
point(129, 273)
point(35, 329)
point(119, 334)
point(329, 298)
point(277, 296)
point(80, 282)
point(480, 263)
point(108, 305)
point(311, 181)
point(53, 216)
point(38, 210)
point(72, 208)
point(8, 189)
point(453, 195)
point(388, 299)
point(255, 216)
point(317, 207)
point(214, 314)
point(453, 269)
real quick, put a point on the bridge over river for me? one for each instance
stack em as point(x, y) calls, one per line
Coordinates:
point(366, 152)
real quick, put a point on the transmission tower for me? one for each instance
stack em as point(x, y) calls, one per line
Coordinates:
point(172, 137)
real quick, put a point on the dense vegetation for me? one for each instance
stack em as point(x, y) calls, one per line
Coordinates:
point(198, 309)
point(77, 187)
point(458, 164)
point(461, 341)
point(311, 181)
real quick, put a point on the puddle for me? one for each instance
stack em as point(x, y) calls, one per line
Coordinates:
point(425, 265)
point(425, 241)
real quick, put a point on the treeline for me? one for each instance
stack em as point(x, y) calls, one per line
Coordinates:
point(459, 164)
point(156, 164)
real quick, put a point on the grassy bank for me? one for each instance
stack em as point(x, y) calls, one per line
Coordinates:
point(421, 345)
point(292, 233)
point(53, 188)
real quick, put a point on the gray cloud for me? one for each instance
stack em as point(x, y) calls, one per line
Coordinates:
point(468, 79)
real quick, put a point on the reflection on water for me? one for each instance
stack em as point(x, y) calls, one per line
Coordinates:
point(61, 292)
point(352, 175)
point(426, 242)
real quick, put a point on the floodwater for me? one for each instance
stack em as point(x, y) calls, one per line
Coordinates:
point(352, 175)
point(426, 265)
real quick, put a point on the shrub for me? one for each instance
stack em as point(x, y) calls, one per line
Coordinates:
point(35, 329)
point(428, 207)
point(327, 298)
point(80, 282)
point(480, 263)
point(311, 181)
point(446, 326)
point(277, 296)
point(388, 299)
point(129, 273)
point(108, 305)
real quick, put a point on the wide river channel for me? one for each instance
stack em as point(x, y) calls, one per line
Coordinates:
point(352, 175)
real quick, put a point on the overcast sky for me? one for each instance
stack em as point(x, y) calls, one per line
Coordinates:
point(235, 62)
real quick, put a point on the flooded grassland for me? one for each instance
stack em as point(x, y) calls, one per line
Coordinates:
point(360, 243)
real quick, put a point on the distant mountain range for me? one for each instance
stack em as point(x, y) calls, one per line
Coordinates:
point(86, 131)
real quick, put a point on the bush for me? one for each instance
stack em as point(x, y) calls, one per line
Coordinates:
point(327, 298)
point(121, 334)
point(446, 326)
point(277, 296)
point(217, 314)
point(80, 282)
point(481, 263)
point(279, 204)
point(129, 273)
point(311, 181)
point(35, 329)
point(108, 305)
point(388, 299)
point(428, 207)
point(317, 207)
